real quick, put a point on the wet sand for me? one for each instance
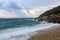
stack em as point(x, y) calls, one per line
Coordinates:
point(52, 33)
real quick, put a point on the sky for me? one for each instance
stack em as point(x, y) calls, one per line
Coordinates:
point(25, 8)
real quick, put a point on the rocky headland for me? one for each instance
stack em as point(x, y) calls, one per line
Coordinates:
point(52, 33)
point(52, 15)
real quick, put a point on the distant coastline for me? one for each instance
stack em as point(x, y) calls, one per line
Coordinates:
point(16, 18)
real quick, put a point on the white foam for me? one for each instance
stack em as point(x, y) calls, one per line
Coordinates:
point(22, 32)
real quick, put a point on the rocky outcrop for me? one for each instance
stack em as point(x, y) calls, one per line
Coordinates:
point(52, 15)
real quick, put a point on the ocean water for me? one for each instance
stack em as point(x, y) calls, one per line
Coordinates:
point(20, 28)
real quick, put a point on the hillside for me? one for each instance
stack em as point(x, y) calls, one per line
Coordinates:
point(52, 15)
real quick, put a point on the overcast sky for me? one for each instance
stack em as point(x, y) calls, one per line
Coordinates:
point(25, 8)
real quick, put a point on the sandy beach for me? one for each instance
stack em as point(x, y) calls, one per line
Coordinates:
point(52, 33)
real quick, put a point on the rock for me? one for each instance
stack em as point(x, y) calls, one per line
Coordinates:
point(52, 15)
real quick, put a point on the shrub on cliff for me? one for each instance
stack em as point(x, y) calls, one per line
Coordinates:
point(52, 15)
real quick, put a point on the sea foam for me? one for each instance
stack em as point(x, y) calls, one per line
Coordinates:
point(22, 33)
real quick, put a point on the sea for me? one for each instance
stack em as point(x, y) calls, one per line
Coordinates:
point(20, 28)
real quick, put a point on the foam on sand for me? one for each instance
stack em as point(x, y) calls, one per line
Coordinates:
point(22, 33)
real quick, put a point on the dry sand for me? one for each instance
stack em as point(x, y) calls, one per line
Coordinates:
point(52, 33)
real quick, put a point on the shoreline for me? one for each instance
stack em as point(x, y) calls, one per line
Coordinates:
point(52, 33)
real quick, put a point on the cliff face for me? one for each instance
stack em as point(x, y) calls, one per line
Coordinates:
point(52, 15)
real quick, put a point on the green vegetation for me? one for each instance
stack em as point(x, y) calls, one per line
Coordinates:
point(52, 15)
point(55, 10)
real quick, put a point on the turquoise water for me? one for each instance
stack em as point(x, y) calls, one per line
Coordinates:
point(14, 23)
point(20, 28)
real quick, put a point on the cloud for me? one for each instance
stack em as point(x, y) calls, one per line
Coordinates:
point(11, 6)
point(5, 14)
point(24, 8)
point(14, 6)
point(23, 13)
point(10, 10)
point(35, 12)
point(37, 3)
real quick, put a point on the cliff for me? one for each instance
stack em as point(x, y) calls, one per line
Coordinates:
point(52, 15)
